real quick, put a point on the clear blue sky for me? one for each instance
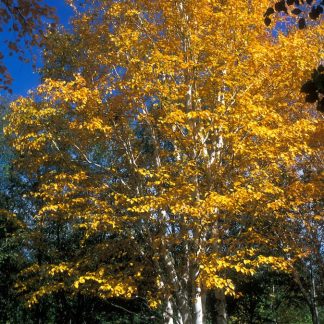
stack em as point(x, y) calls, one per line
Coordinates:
point(24, 76)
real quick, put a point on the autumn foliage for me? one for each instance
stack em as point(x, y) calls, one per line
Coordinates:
point(168, 153)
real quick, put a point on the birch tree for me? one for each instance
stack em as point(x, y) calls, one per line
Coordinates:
point(167, 158)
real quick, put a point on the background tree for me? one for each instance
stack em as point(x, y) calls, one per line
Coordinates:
point(12, 260)
point(269, 297)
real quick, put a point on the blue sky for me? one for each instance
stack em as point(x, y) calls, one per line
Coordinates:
point(24, 77)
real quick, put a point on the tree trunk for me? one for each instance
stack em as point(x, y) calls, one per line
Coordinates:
point(181, 309)
point(198, 307)
point(168, 313)
point(220, 307)
point(313, 304)
point(185, 314)
point(314, 311)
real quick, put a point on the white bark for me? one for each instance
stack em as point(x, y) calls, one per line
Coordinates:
point(168, 313)
point(181, 308)
point(198, 307)
point(314, 308)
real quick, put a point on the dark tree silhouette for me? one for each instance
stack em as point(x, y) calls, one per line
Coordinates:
point(314, 88)
point(303, 10)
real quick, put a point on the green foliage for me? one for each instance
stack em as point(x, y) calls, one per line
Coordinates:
point(11, 260)
point(269, 298)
